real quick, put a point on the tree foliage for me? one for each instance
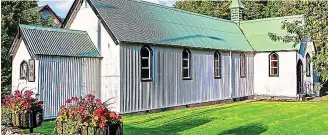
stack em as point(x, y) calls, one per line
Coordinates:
point(252, 9)
point(14, 13)
point(211, 8)
point(314, 28)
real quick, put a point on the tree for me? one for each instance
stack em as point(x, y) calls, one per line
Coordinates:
point(218, 9)
point(314, 28)
point(13, 14)
point(252, 9)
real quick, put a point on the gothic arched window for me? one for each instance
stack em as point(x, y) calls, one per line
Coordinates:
point(273, 64)
point(217, 65)
point(186, 57)
point(146, 62)
point(242, 65)
point(23, 70)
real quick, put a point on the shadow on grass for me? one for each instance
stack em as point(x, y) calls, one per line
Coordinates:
point(175, 125)
point(252, 129)
point(195, 112)
point(170, 128)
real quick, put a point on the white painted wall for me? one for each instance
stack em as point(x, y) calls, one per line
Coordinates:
point(17, 83)
point(87, 20)
point(285, 84)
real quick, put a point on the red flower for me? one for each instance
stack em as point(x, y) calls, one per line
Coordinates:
point(102, 124)
point(99, 111)
point(119, 117)
point(27, 105)
point(112, 115)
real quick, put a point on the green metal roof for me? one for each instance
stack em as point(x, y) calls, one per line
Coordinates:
point(256, 31)
point(56, 41)
point(144, 22)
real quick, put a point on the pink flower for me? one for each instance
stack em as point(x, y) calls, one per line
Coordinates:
point(68, 101)
point(28, 93)
point(98, 102)
point(90, 96)
point(74, 98)
point(17, 93)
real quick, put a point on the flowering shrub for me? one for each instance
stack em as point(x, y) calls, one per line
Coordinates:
point(87, 111)
point(20, 102)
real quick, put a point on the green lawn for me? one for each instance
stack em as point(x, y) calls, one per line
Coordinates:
point(252, 118)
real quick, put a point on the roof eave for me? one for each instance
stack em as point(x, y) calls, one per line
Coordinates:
point(184, 46)
point(69, 56)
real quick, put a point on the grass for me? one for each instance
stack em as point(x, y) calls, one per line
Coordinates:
point(243, 118)
point(324, 98)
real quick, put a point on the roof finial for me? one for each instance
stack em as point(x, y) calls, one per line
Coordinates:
point(236, 8)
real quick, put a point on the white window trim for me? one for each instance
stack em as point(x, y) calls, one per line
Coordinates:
point(271, 67)
point(188, 64)
point(218, 68)
point(149, 63)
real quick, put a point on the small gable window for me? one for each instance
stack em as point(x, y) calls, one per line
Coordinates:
point(242, 65)
point(274, 64)
point(217, 65)
point(308, 65)
point(146, 62)
point(186, 56)
point(23, 70)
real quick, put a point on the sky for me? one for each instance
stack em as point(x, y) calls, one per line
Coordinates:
point(61, 7)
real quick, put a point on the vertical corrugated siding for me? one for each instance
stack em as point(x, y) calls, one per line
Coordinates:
point(168, 89)
point(64, 77)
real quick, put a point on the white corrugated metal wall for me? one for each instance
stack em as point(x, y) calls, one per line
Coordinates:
point(168, 89)
point(64, 77)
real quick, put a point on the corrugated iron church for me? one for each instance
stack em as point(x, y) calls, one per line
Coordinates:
point(146, 56)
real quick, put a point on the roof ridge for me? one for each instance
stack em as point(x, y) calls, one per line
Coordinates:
point(272, 18)
point(37, 27)
point(180, 10)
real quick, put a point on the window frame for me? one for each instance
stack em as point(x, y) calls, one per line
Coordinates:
point(242, 56)
point(308, 65)
point(149, 67)
point(217, 61)
point(189, 64)
point(270, 66)
point(20, 70)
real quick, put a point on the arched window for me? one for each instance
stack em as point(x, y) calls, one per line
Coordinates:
point(217, 65)
point(274, 64)
point(242, 65)
point(186, 57)
point(23, 70)
point(308, 65)
point(146, 63)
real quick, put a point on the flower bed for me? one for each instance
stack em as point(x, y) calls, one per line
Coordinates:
point(87, 115)
point(22, 110)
